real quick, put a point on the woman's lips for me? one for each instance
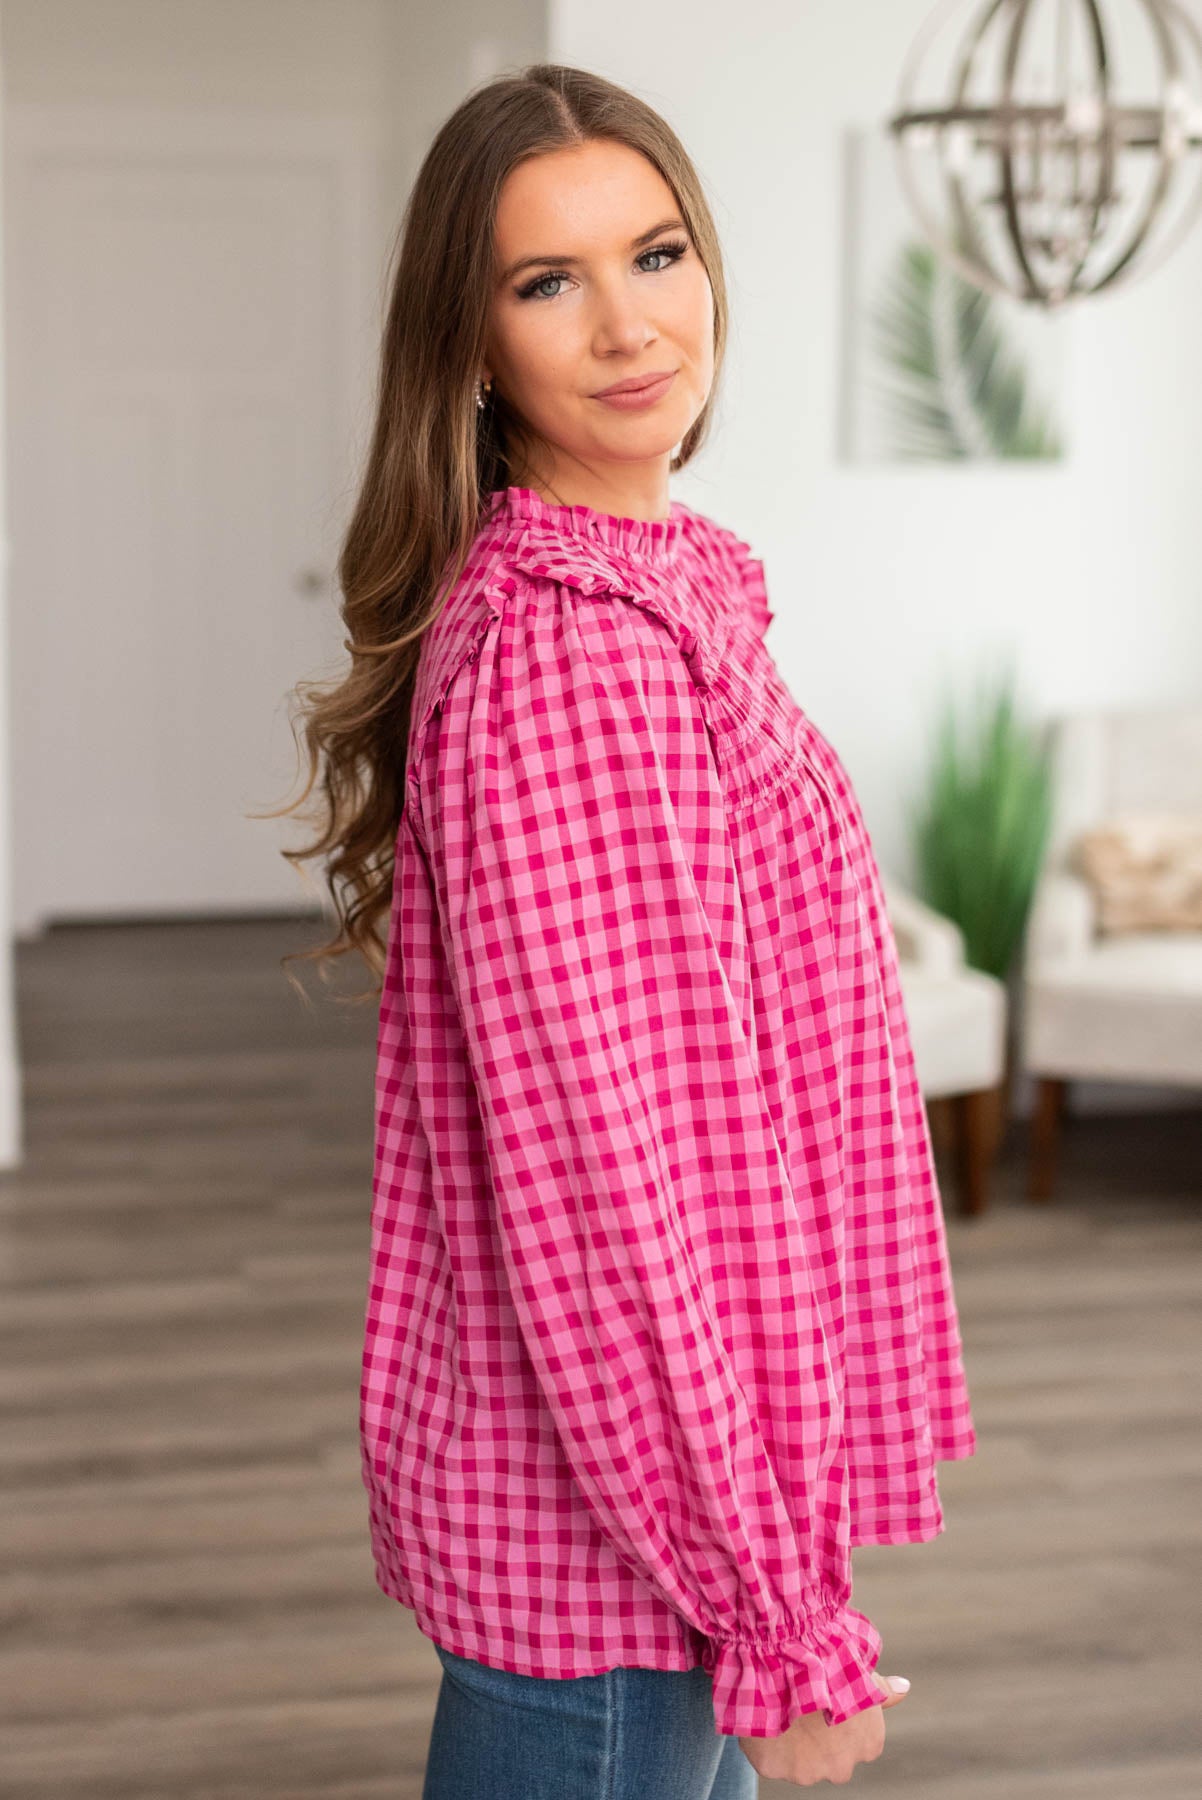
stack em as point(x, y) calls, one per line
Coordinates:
point(636, 399)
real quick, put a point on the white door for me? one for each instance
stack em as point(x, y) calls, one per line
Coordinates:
point(191, 343)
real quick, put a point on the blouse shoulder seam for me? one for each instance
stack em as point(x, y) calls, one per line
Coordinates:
point(749, 571)
point(596, 573)
point(455, 638)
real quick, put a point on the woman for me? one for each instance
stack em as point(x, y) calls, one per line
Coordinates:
point(660, 1322)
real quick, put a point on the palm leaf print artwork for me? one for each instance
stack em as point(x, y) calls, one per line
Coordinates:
point(954, 389)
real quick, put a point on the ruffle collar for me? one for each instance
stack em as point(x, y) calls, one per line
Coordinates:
point(640, 560)
point(654, 541)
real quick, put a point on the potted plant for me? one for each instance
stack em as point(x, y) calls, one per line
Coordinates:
point(980, 831)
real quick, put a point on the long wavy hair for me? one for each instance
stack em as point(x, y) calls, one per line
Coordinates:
point(433, 461)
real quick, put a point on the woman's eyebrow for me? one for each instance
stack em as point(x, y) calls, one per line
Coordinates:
point(525, 262)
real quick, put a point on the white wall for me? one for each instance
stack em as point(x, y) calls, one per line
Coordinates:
point(11, 1123)
point(883, 579)
point(393, 60)
point(261, 53)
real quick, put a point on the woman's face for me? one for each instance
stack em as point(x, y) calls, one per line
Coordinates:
point(610, 288)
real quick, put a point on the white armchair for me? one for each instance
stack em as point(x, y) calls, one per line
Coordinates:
point(957, 1020)
point(1123, 1006)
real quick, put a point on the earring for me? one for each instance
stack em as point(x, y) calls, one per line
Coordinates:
point(483, 393)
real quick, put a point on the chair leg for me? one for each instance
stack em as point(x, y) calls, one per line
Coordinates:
point(941, 1121)
point(976, 1135)
point(1045, 1136)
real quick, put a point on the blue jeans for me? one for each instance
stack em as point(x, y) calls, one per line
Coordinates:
point(630, 1734)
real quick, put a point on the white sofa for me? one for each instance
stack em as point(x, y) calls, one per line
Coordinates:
point(957, 1019)
point(1125, 1006)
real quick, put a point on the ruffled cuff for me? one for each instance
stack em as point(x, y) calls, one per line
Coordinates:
point(761, 1684)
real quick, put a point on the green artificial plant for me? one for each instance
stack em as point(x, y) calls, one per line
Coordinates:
point(981, 826)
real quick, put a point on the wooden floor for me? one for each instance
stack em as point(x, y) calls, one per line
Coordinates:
point(189, 1608)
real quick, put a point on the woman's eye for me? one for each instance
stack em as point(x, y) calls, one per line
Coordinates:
point(673, 252)
point(534, 289)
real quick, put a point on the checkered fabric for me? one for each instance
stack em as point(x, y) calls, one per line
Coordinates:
point(660, 1322)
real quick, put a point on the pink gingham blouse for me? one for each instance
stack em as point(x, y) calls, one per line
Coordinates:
point(660, 1323)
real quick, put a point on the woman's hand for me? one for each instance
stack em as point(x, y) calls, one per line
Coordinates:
point(811, 1750)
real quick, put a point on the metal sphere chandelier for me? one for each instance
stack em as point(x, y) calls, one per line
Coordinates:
point(1047, 185)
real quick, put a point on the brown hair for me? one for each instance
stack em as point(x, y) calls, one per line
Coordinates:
point(434, 459)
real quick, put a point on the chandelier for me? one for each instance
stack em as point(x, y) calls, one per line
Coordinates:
point(1030, 174)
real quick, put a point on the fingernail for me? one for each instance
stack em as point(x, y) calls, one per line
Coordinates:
point(898, 1683)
